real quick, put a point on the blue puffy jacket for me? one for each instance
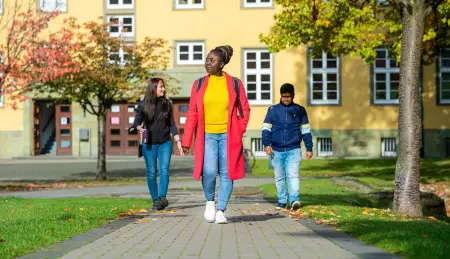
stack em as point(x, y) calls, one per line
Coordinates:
point(285, 127)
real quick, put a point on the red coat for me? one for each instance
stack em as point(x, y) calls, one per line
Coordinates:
point(237, 126)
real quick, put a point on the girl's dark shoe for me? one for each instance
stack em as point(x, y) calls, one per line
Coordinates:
point(157, 205)
point(164, 202)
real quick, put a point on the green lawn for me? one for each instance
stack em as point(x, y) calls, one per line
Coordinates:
point(29, 224)
point(371, 220)
point(377, 172)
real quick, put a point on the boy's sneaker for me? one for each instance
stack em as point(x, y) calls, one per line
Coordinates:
point(210, 212)
point(280, 206)
point(220, 217)
point(295, 205)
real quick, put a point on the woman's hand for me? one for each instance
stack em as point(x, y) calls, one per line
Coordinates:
point(180, 149)
point(186, 150)
point(140, 129)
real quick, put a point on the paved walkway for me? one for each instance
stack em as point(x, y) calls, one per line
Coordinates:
point(253, 231)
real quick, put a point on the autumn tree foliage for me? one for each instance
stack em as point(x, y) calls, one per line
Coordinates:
point(413, 32)
point(29, 53)
point(108, 70)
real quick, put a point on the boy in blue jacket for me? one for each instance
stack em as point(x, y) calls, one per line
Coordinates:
point(285, 126)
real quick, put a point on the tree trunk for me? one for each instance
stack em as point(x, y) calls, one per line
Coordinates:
point(407, 173)
point(101, 158)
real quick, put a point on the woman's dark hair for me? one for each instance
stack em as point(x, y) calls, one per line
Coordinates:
point(150, 101)
point(225, 53)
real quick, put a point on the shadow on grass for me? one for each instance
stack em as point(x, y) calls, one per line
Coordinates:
point(415, 239)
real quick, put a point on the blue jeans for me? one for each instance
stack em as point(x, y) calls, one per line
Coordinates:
point(215, 162)
point(162, 153)
point(286, 166)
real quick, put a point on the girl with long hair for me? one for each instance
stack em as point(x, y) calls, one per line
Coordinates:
point(154, 120)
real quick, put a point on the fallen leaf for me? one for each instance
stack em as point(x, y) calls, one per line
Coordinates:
point(81, 209)
point(66, 209)
point(28, 205)
point(432, 218)
point(2, 241)
point(80, 187)
point(144, 221)
point(257, 204)
point(143, 211)
point(172, 211)
point(154, 219)
point(164, 211)
point(70, 220)
point(121, 213)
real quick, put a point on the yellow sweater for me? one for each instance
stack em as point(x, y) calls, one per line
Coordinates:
point(216, 105)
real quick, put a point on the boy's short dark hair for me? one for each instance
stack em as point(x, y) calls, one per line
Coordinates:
point(287, 89)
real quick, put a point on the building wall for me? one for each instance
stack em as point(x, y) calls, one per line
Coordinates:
point(355, 125)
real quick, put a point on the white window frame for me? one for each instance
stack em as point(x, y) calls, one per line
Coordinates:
point(120, 25)
point(258, 147)
point(388, 70)
point(443, 70)
point(388, 147)
point(324, 71)
point(120, 5)
point(1, 100)
point(1, 9)
point(121, 54)
point(190, 52)
point(258, 71)
point(258, 4)
point(189, 5)
point(53, 2)
point(322, 143)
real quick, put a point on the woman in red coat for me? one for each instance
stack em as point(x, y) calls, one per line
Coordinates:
point(218, 113)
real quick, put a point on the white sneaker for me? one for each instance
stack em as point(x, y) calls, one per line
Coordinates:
point(210, 212)
point(220, 217)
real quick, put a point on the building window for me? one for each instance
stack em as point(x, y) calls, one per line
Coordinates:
point(258, 3)
point(388, 147)
point(1, 99)
point(444, 76)
point(189, 4)
point(53, 5)
point(190, 53)
point(258, 147)
point(258, 76)
point(386, 78)
point(120, 4)
point(324, 79)
point(1, 6)
point(324, 147)
point(183, 107)
point(121, 26)
point(120, 56)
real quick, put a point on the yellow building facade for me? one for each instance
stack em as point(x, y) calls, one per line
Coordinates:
point(352, 106)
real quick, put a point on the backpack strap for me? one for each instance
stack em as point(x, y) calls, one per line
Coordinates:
point(237, 89)
point(200, 82)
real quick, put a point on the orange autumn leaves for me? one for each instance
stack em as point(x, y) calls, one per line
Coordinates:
point(32, 54)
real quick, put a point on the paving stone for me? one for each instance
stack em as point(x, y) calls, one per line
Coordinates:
point(252, 234)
